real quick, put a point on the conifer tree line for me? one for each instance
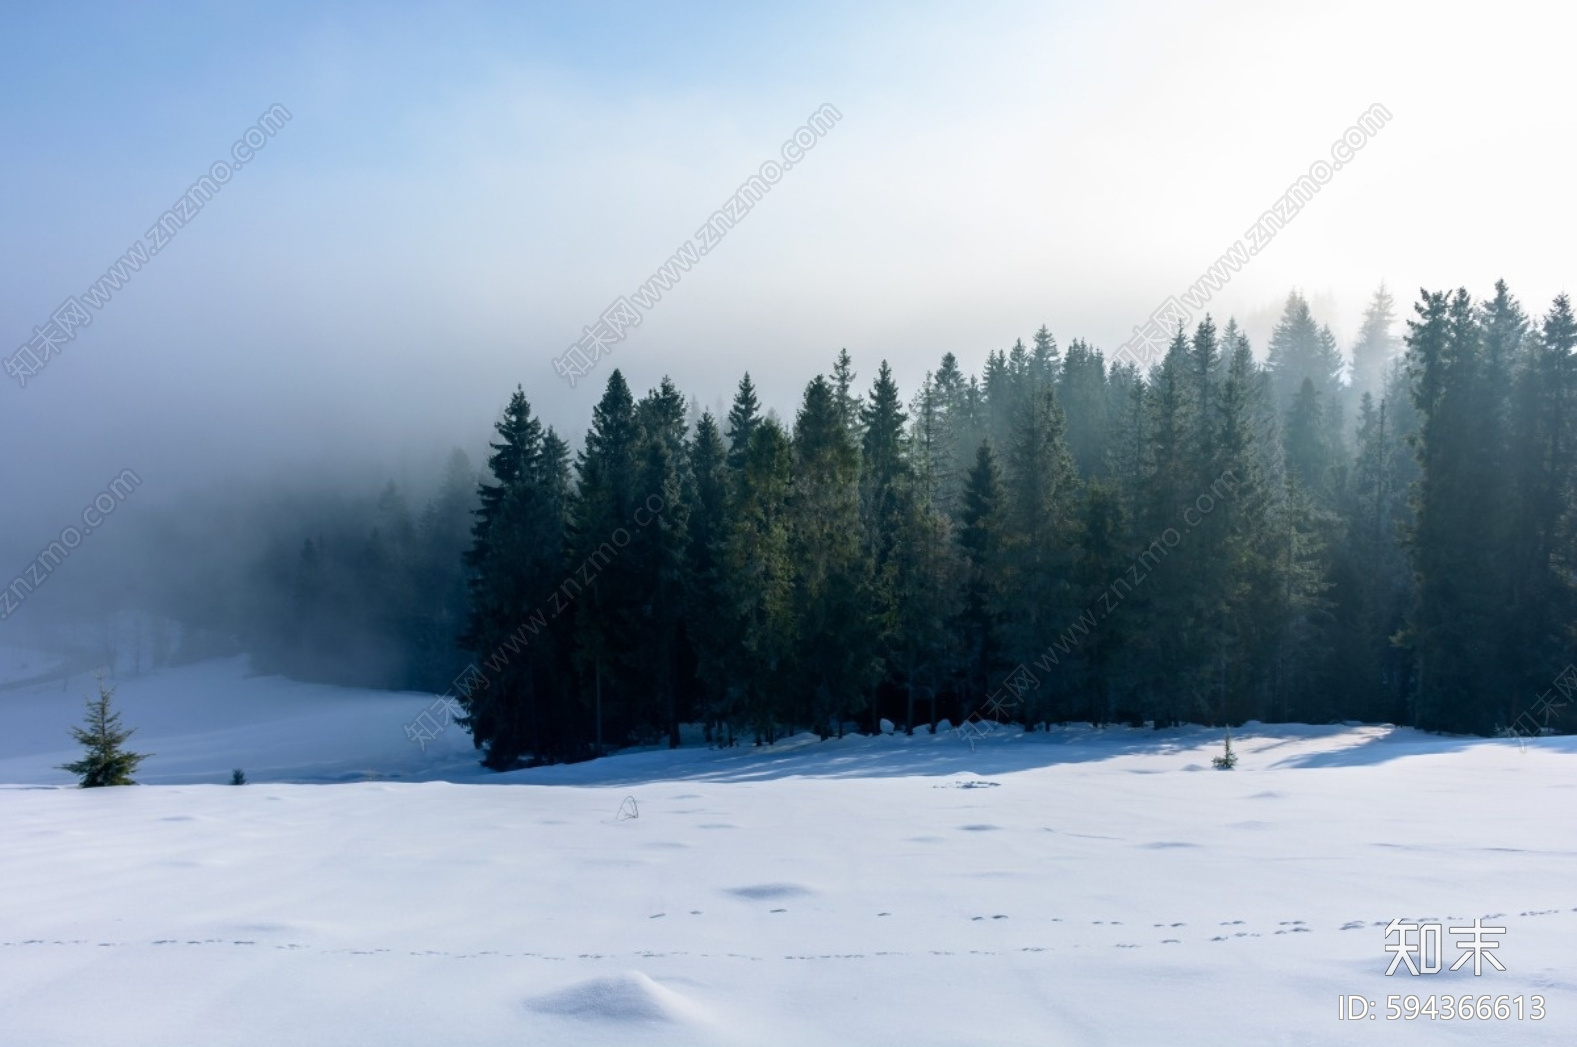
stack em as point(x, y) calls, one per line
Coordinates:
point(1384, 535)
point(1394, 544)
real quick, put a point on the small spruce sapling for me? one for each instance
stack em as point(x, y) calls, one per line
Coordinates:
point(1228, 759)
point(237, 777)
point(105, 762)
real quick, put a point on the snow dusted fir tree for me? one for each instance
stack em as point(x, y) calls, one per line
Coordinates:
point(104, 762)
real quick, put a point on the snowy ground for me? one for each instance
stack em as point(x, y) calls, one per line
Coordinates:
point(1077, 887)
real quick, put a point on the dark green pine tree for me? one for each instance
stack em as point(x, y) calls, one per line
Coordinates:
point(1207, 358)
point(743, 417)
point(1170, 421)
point(606, 596)
point(1206, 369)
point(885, 481)
point(970, 427)
point(757, 579)
point(105, 760)
point(957, 433)
point(1236, 535)
point(1453, 625)
point(1397, 522)
point(553, 473)
point(515, 563)
point(982, 588)
point(1504, 331)
point(837, 658)
point(1540, 595)
point(562, 726)
point(707, 620)
point(1171, 683)
point(884, 454)
point(849, 407)
point(1190, 566)
point(1372, 580)
point(1129, 441)
point(656, 551)
point(1042, 492)
point(498, 598)
point(931, 445)
point(915, 587)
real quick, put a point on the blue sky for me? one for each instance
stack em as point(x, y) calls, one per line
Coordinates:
point(462, 187)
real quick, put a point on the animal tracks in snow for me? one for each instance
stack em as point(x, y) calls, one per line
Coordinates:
point(1233, 930)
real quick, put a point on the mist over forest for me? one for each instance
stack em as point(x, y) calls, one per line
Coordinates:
point(1379, 532)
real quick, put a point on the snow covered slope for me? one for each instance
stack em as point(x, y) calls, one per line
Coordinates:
point(1076, 887)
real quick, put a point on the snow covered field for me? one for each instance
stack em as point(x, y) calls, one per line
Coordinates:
point(1076, 887)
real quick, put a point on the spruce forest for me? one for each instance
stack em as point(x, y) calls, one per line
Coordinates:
point(1297, 534)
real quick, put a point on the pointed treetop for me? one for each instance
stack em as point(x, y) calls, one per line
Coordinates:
point(1045, 357)
point(743, 418)
point(843, 385)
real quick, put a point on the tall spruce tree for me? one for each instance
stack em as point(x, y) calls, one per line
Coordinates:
point(885, 481)
point(983, 593)
point(957, 433)
point(606, 595)
point(1372, 580)
point(658, 538)
point(1453, 622)
point(1541, 603)
point(850, 409)
point(743, 417)
point(1236, 536)
point(514, 563)
point(836, 654)
point(1044, 359)
point(1170, 685)
point(1041, 500)
point(707, 621)
point(931, 444)
point(757, 582)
